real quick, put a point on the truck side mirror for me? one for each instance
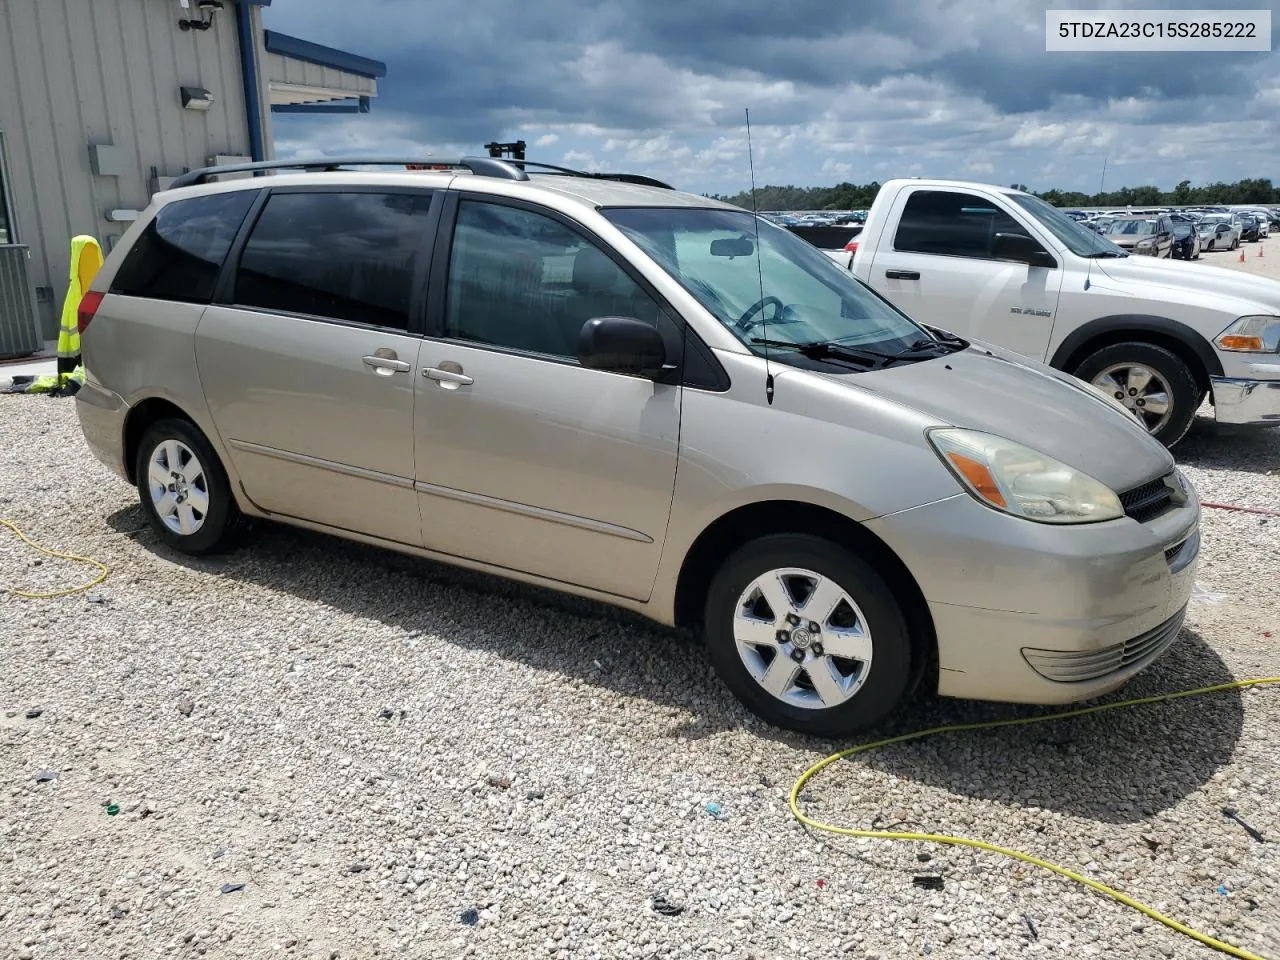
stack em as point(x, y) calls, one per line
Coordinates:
point(1022, 249)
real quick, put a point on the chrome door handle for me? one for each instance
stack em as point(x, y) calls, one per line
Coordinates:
point(902, 274)
point(449, 379)
point(385, 366)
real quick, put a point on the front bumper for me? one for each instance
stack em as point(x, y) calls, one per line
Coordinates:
point(1032, 613)
point(1242, 400)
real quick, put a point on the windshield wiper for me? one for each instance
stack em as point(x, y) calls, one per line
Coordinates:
point(948, 344)
point(827, 350)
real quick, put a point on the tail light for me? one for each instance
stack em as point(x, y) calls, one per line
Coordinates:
point(852, 246)
point(89, 304)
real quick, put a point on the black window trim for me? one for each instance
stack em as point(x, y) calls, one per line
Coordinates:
point(438, 287)
point(224, 289)
point(1032, 234)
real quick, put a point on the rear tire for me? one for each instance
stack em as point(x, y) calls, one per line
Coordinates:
point(184, 489)
point(754, 647)
point(1171, 379)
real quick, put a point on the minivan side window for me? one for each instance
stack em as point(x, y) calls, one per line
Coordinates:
point(952, 224)
point(180, 253)
point(340, 256)
point(524, 281)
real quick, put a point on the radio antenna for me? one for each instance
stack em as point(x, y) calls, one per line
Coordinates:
point(755, 221)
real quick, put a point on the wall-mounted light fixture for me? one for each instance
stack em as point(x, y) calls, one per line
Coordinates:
point(207, 10)
point(196, 98)
point(122, 216)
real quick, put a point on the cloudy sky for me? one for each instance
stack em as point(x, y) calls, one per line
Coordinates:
point(855, 90)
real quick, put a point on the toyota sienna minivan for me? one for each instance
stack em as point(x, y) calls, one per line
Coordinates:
point(599, 384)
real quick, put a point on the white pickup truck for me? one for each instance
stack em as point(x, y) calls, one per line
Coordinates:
point(1004, 267)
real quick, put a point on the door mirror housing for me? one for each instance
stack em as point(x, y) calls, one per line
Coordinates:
point(621, 345)
point(1021, 248)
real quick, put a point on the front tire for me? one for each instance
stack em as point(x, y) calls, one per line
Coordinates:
point(807, 635)
point(183, 488)
point(1152, 382)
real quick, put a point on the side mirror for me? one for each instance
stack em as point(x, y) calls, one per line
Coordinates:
point(1021, 248)
point(621, 345)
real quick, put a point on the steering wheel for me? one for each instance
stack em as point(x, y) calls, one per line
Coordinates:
point(745, 323)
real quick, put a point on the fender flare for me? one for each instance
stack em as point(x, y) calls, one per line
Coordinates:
point(1137, 324)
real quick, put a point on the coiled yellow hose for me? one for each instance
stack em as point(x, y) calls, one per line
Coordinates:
point(103, 570)
point(1128, 901)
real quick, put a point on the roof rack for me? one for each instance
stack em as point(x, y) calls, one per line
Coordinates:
point(481, 166)
point(620, 177)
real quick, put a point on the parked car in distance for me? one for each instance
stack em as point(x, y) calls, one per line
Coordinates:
point(1216, 235)
point(1004, 267)
point(1226, 230)
point(1147, 237)
point(1250, 229)
point(1186, 241)
point(577, 382)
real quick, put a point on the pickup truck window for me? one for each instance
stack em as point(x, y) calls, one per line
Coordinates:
point(1081, 241)
point(782, 288)
point(952, 224)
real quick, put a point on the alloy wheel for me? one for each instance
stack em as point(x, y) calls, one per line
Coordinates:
point(1142, 391)
point(178, 487)
point(802, 638)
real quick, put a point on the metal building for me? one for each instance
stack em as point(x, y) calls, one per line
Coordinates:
point(102, 102)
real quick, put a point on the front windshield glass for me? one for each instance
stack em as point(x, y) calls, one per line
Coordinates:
point(1132, 228)
point(806, 297)
point(1076, 237)
point(1182, 228)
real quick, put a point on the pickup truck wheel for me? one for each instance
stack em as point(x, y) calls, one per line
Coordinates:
point(807, 635)
point(1152, 382)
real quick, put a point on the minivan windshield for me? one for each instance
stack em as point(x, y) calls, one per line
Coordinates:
point(1077, 238)
point(783, 289)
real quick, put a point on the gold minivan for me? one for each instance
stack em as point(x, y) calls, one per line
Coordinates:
point(602, 385)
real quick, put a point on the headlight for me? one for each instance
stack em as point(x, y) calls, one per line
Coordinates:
point(1251, 335)
point(1143, 243)
point(1016, 479)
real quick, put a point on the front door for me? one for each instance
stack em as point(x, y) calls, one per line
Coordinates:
point(525, 459)
point(309, 366)
point(939, 270)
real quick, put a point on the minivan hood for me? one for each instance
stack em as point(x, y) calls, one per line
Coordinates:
point(983, 388)
point(1247, 291)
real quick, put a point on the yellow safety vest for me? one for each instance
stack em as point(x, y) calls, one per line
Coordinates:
point(86, 261)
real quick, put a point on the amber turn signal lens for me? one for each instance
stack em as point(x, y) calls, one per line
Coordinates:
point(979, 478)
point(1234, 341)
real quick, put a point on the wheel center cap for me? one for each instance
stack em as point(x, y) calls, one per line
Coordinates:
point(800, 638)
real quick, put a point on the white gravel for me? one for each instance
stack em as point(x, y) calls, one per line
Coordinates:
point(374, 745)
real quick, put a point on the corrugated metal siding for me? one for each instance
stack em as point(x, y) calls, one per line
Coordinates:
point(19, 329)
point(81, 72)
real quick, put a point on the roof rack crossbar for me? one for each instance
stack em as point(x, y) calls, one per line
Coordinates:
point(480, 166)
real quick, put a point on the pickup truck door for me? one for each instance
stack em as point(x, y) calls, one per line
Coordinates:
point(935, 262)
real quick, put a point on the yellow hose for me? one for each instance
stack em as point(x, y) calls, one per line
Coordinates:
point(794, 801)
point(103, 569)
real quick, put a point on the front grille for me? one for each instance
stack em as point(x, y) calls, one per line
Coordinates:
point(1079, 666)
point(1148, 501)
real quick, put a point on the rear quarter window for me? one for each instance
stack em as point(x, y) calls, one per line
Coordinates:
point(180, 253)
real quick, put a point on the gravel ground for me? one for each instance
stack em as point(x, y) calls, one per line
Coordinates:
point(397, 759)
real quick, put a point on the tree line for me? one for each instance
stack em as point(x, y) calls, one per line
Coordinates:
point(853, 196)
